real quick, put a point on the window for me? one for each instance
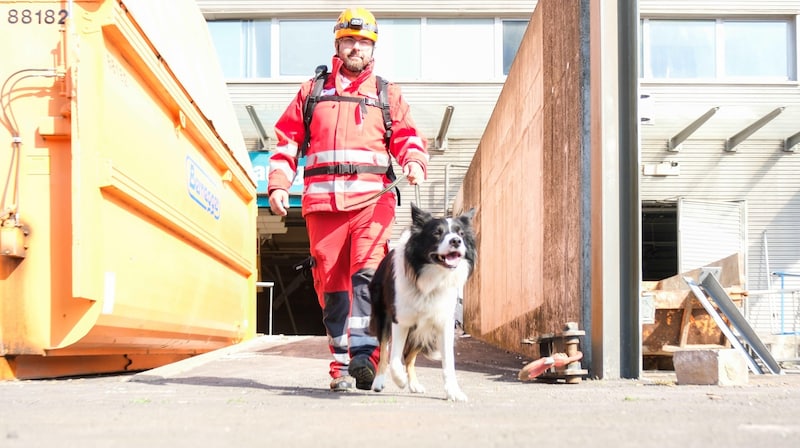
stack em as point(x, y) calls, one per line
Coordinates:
point(757, 49)
point(682, 49)
point(469, 54)
point(513, 31)
point(243, 47)
point(407, 49)
point(398, 48)
point(717, 50)
point(300, 52)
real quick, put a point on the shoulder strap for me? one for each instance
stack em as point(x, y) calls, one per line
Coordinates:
point(315, 96)
point(321, 75)
point(383, 97)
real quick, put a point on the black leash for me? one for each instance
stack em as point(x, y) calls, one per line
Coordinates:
point(386, 189)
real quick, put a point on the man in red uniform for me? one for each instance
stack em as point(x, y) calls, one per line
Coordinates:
point(347, 160)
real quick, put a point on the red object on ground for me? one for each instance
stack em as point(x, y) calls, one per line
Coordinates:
point(538, 367)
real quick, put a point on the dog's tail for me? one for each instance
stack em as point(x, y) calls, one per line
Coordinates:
point(381, 290)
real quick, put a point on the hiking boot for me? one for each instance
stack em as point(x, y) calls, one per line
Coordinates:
point(362, 369)
point(342, 384)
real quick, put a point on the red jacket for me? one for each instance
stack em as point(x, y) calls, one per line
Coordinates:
point(341, 133)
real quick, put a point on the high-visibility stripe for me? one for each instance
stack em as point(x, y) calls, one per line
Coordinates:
point(417, 151)
point(339, 341)
point(364, 341)
point(342, 186)
point(359, 156)
point(288, 149)
point(417, 142)
point(358, 322)
point(282, 166)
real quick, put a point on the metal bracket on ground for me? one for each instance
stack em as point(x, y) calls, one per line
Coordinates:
point(747, 342)
point(565, 342)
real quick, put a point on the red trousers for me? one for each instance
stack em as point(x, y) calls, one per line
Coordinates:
point(347, 248)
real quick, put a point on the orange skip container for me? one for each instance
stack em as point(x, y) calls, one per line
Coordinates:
point(128, 209)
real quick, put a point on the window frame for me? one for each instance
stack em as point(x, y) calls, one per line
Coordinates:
point(496, 72)
point(720, 77)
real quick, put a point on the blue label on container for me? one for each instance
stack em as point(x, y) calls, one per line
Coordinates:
point(202, 188)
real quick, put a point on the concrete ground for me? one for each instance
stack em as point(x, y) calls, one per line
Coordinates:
point(273, 391)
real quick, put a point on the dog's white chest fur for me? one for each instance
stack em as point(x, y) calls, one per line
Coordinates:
point(429, 299)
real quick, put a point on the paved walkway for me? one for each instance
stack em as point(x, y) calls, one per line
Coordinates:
point(273, 392)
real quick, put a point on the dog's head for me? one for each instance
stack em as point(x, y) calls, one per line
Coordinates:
point(446, 242)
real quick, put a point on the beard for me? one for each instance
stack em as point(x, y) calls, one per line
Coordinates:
point(355, 63)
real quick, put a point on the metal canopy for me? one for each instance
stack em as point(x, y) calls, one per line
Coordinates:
point(440, 142)
point(675, 142)
point(731, 143)
point(262, 133)
point(791, 142)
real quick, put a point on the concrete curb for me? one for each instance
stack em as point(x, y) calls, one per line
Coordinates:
point(171, 370)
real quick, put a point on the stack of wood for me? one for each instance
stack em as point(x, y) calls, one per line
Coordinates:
point(678, 320)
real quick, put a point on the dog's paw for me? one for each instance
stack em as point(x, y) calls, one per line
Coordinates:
point(416, 388)
point(378, 383)
point(399, 375)
point(455, 394)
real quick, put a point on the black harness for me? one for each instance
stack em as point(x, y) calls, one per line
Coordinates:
point(316, 97)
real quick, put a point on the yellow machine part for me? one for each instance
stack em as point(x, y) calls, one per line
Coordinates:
point(128, 227)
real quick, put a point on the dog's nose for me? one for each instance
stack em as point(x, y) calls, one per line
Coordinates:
point(455, 242)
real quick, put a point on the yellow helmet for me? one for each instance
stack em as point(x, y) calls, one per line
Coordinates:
point(356, 22)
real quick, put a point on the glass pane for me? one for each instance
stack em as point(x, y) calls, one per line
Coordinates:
point(470, 53)
point(305, 44)
point(398, 49)
point(757, 49)
point(682, 49)
point(227, 37)
point(513, 30)
point(260, 56)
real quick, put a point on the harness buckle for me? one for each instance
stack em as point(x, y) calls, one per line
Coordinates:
point(344, 169)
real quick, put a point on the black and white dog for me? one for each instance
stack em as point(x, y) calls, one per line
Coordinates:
point(414, 295)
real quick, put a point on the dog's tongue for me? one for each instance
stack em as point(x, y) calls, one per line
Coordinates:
point(452, 258)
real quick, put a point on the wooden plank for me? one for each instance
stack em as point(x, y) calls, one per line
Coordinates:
point(685, 321)
point(731, 274)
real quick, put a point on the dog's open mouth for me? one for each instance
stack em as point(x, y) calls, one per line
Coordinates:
point(449, 260)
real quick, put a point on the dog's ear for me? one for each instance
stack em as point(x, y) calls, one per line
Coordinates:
point(468, 215)
point(419, 216)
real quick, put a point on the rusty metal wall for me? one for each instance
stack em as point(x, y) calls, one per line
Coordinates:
point(526, 182)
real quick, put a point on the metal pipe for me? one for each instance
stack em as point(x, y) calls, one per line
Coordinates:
point(629, 201)
point(447, 183)
point(268, 285)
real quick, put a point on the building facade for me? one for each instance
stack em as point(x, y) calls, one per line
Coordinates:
point(720, 129)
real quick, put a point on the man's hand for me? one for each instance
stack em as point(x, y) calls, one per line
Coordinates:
point(414, 173)
point(279, 202)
